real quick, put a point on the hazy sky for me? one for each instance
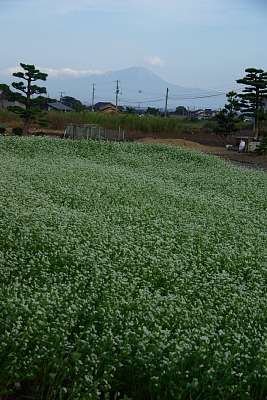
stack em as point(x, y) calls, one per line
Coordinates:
point(195, 43)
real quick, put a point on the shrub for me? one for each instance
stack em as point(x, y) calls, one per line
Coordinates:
point(262, 147)
point(17, 130)
point(2, 129)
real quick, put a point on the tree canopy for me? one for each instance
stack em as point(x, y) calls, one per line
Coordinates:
point(152, 111)
point(181, 110)
point(131, 110)
point(252, 96)
point(28, 95)
point(73, 103)
point(227, 119)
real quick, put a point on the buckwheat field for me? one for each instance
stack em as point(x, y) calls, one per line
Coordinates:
point(130, 271)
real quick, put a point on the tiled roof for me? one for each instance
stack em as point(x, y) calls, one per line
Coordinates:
point(59, 106)
point(101, 104)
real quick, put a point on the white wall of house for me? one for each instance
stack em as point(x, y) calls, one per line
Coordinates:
point(4, 103)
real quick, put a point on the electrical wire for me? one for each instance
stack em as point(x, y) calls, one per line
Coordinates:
point(153, 96)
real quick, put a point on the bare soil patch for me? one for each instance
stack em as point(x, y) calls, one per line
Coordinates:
point(209, 143)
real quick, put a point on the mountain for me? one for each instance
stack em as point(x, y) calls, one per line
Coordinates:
point(138, 87)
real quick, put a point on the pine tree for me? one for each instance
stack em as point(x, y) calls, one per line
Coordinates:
point(252, 96)
point(227, 119)
point(28, 94)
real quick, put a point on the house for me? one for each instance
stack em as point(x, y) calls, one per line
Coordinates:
point(57, 106)
point(107, 107)
point(6, 102)
point(199, 114)
point(203, 114)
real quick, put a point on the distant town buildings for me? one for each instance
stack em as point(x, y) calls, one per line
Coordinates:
point(107, 107)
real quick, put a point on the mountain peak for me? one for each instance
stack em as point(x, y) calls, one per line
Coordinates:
point(138, 86)
point(137, 71)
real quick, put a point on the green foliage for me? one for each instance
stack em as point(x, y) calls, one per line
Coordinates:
point(131, 110)
point(255, 83)
point(17, 130)
point(73, 103)
point(7, 116)
point(124, 273)
point(227, 118)
point(262, 147)
point(181, 110)
point(152, 111)
point(129, 122)
point(28, 94)
point(2, 129)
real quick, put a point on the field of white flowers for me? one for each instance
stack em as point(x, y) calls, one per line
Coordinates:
point(130, 271)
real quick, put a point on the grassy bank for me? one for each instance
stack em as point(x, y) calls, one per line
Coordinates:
point(130, 271)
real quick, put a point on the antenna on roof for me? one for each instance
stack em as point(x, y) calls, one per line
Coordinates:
point(61, 95)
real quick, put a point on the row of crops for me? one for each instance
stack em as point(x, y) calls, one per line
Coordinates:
point(130, 271)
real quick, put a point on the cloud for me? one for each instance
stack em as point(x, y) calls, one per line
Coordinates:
point(69, 72)
point(11, 70)
point(156, 61)
point(54, 72)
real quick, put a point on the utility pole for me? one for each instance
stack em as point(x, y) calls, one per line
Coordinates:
point(139, 106)
point(93, 97)
point(117, 93)
point(166, 103)
point(61, 95)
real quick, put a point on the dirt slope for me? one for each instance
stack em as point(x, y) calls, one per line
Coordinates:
point(206, 142)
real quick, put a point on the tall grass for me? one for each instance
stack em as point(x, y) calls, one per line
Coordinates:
point(131, 123)
point(8, 116)
point(128, 122)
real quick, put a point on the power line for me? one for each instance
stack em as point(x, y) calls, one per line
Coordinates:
point(156, 95)
point(197, 97)
point(138, 101)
